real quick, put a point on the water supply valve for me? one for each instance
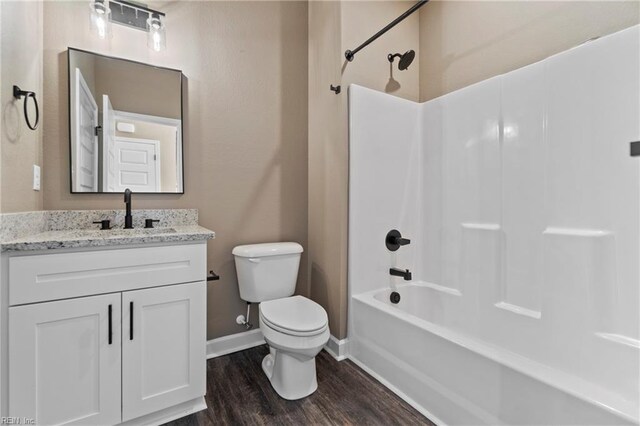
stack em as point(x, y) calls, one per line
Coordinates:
point(394, 240)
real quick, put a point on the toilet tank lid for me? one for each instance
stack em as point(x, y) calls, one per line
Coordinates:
point(267, 249)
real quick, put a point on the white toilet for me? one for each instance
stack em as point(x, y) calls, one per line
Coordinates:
point(295, 327)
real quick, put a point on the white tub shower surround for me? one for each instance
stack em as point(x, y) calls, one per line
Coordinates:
point(523, 206)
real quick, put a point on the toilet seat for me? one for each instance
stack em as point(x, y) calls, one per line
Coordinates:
point(294, 316)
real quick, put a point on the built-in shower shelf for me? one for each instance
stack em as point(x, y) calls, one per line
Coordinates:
point(519, 310)
point(619, 338)
point(576, 232)
point(481, 226)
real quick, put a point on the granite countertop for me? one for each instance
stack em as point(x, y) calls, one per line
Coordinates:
point(114, 237)
point(47, 230)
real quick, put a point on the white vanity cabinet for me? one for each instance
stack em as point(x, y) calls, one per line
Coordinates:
point(163, 348)
point(120, 336)
point(62, 367)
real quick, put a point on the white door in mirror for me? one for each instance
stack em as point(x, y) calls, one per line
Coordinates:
point(84, 123)
point(109, 178)
point(138, 164)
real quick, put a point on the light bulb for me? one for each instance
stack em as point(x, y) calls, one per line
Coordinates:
point(156, 42)
point(100, 19)
point(156, 39)
point(101, 25)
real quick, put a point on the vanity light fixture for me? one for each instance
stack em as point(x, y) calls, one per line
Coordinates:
point(100, 23)
point(131, 14)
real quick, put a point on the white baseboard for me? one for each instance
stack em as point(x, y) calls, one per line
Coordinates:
point(169, 414)
point(339, 349)
point(248, 339)
point(234, 343)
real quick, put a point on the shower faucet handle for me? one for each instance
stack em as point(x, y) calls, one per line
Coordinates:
point(394, 240)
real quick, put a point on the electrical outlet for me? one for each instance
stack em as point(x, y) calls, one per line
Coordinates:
point(36, 178)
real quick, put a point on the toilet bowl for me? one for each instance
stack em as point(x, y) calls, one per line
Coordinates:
point(295, 328)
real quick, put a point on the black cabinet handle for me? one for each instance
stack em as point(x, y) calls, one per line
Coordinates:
point(130, 320)
point(110, 325)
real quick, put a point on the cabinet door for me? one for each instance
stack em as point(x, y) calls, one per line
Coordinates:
point(64, 366)
point(163, 347)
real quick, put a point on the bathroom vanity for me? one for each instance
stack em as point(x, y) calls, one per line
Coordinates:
point(104, 327)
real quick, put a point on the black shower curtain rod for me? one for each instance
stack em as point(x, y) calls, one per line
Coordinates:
point(349, 54)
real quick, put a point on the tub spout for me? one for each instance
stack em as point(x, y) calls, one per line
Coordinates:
point(406, 274)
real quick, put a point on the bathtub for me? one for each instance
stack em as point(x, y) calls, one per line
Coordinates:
point(453, 378)
point(524, 242)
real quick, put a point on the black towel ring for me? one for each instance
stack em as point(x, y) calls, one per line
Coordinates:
point(18, 93)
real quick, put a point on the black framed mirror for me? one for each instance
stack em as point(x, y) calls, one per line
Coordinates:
point(125, 125)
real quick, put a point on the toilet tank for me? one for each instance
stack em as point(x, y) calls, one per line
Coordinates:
point(267, 271)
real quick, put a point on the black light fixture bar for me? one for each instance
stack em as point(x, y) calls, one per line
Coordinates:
point(131, 14)
point(349, 54)
point(137, 6)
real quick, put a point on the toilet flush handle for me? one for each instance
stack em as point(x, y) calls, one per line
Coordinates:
point(254, 260)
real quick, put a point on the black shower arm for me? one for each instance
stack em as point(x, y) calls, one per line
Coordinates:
point(350, 54)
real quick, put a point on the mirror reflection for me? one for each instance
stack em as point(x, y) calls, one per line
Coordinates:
point(125, 125)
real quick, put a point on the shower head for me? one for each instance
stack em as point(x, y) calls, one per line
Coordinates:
point(405, 59)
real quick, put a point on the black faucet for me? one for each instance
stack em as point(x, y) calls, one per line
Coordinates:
point(128, 219)
point(406, 274)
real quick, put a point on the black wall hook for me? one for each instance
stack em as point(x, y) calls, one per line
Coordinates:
point(18, 94)
point(336, 89)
